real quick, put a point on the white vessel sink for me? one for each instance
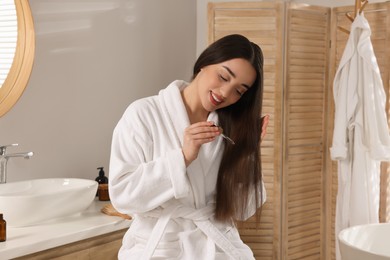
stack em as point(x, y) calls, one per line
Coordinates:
point(30, 202)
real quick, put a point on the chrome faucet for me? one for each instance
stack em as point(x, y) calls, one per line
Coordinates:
point(4, 159)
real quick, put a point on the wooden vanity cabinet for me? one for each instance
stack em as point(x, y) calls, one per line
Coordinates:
point(104, 247)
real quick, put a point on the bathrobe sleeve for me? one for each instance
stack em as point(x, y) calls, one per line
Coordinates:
point(138, 182)
point(346, 101)
point(375, 130)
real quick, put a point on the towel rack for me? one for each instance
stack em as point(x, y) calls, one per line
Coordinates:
point(359, 6)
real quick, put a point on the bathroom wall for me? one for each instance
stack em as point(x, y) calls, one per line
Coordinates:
point(93, 58)
point(202, 25)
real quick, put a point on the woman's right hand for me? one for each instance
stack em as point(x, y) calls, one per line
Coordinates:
point(194, 136)
point(265, 120)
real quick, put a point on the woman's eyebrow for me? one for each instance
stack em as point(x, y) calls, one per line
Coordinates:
point(230, 71)
point(234, 75)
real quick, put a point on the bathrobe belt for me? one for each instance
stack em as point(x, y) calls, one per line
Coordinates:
point(201, 218)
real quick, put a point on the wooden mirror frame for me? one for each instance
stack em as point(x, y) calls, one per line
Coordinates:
point(21, 68)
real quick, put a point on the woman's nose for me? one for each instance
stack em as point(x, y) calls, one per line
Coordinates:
point(226, 92)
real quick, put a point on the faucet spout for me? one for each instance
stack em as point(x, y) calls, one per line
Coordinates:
point(25, 155)
point(4, 160)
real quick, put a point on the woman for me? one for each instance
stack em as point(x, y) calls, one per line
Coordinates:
point(171, 169)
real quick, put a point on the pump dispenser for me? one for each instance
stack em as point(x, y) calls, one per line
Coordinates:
point(103, 185)
point(101, 179)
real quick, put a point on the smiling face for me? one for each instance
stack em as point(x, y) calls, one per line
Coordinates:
point(223, 84)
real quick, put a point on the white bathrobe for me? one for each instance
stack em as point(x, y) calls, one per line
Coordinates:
point(361, 136)
point(172, 205)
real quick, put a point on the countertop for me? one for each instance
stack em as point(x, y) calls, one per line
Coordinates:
point(90, 223)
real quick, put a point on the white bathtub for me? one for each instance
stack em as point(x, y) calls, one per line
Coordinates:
point(366, 242)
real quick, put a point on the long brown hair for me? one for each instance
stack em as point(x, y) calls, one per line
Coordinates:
point(239, 175)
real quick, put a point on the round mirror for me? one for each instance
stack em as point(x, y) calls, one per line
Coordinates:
point(20, 54)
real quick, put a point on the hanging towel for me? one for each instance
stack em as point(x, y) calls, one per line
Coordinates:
point(361, 135)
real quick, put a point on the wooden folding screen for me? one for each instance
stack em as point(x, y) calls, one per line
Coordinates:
point(302, 48)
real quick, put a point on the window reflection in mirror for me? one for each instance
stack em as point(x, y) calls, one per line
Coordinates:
point(23, 55)
point(8, 36)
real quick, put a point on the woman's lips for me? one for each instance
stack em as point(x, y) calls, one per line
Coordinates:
point(215, 99)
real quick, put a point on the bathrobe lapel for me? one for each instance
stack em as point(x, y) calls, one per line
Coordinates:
point(175, 113)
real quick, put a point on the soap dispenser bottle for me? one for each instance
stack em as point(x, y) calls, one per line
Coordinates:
point(102, 191)
point(101, 179)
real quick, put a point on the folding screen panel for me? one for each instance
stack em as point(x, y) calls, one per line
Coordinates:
point(262, 24)
point(305, 103)
point(292, 153)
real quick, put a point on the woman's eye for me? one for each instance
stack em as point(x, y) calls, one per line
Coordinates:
point(239, 92)
point(221, 77)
